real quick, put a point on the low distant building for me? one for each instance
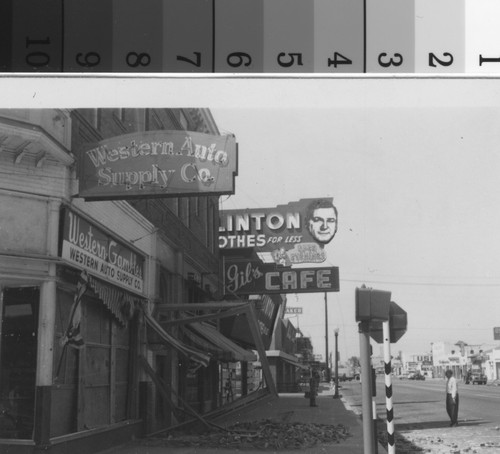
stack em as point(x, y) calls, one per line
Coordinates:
point(417, 363)
point(456, 357)
point(488, 363)
point(492, 364)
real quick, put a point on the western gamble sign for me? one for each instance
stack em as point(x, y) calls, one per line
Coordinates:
point(87, 247)
point(287, 234)
point(243, 277)
point(158, 164)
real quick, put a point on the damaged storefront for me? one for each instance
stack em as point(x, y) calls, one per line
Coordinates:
point(212, 368)
point(71, 286)
point(89, 356)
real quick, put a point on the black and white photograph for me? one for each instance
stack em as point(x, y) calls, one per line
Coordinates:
point(249, 264)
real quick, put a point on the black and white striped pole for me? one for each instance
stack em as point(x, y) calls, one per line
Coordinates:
point(391, 447)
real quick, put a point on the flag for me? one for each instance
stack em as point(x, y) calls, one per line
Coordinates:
point(72, 335)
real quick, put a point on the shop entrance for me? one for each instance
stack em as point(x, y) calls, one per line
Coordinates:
point(18, 350)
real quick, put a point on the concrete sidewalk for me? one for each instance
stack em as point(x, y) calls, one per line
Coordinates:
point(285, 408)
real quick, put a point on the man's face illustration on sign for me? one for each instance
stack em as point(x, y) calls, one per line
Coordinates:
point(322, 221)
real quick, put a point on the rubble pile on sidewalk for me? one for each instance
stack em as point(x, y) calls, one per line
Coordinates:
point(265, 434)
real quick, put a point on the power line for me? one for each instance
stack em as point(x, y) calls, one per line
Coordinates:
point(427, 284)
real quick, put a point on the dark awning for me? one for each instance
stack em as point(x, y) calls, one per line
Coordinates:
point(196, 355)
point(119, 302)
point(287, 357)
point(215, 337)
point(192, 338)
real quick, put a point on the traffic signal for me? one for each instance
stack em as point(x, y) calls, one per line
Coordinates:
point(398, 322)
point(372, 304)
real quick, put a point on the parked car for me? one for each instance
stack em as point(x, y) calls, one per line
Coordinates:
point(417, 376)
point(477, 379)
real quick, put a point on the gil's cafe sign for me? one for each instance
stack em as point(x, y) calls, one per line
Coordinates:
point(158, 164)
point(247, 277)
point(89, 248)
point(285, 235)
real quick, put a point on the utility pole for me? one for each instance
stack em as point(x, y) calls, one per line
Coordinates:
point(366, 388)
point(336, 395)
point(326, 340)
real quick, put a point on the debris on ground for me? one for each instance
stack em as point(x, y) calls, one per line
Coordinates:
point(264, 434)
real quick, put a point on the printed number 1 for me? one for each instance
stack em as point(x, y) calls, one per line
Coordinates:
point(487, 60)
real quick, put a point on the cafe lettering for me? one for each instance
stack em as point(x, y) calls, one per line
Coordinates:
point(247, 277)
point(299, 280)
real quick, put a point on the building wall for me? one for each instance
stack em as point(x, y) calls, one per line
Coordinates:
point(183, 261)
point(492, 364)
point(37, 165)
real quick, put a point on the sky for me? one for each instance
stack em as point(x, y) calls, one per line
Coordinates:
point(415, 179)
point(412, 163)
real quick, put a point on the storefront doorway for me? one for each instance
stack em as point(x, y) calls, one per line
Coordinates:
point(18, 350)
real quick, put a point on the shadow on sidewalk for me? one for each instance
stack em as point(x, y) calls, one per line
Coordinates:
point(438, 424)
point(404, 445)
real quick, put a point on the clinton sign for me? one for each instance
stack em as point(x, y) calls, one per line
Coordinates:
point(158, 164)
point(286, 234)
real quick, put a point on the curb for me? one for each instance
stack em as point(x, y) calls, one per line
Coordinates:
point(380, 448)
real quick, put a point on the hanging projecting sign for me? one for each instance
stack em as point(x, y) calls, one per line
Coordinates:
point(244, 277)
point(266, 310)
point(286, 234)
point(293, 310)
point(158, 164)
point(89, 248)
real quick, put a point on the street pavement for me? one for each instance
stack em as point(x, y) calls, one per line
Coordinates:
point(285, 408)
point(421, 422)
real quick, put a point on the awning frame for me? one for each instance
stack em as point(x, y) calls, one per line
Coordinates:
point(220, 341)
point(227, 309)
point(291, 359)
point(196, 355)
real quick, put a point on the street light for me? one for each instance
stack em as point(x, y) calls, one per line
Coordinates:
point(336, 396)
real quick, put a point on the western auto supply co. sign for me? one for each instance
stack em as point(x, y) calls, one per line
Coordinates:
point(89, 248)
point(158, 164)
point(286, 234)
point(247, 277)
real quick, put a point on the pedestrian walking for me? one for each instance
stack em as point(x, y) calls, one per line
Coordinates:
point(313, 389)
point(451, 398)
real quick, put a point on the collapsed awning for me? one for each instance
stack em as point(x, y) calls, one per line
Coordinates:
point(205, 345)
point(296, 364)
point(216, 310)
point(287, 357)
point(193, 354)
point(215, 337)
point(119, 302)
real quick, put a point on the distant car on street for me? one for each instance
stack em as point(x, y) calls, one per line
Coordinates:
point(416, 376)
point(476, 379)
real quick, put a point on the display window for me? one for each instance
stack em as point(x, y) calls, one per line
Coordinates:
point(18, 352)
